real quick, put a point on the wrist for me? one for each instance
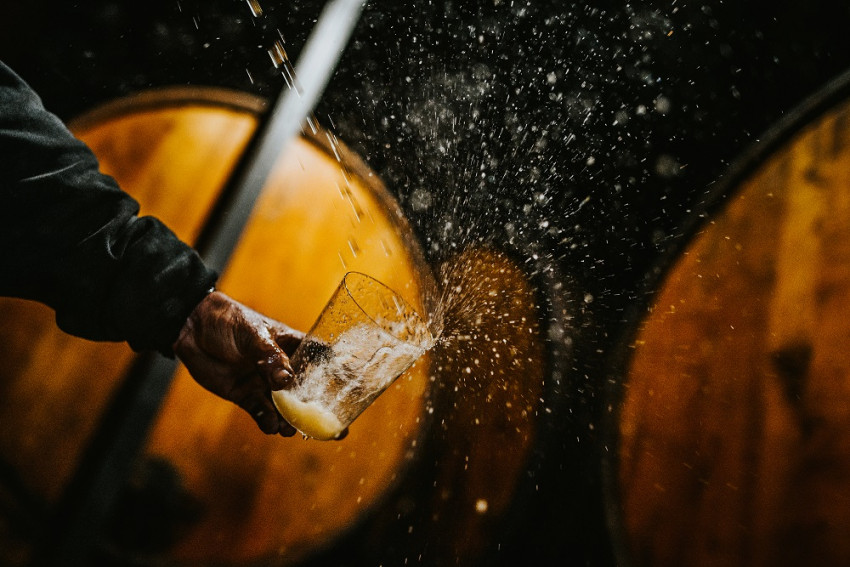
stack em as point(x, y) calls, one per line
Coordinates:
point(189, 324)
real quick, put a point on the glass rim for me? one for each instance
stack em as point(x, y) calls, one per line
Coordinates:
point(404, 303)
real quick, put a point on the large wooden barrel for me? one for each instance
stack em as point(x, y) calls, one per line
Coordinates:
point(734, 422)
point(208, 487)
point(322, 213)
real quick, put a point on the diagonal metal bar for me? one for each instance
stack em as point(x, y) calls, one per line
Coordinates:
point(80, 515)
point(313, 70)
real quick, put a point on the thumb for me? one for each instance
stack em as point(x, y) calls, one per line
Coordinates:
point(272, 362)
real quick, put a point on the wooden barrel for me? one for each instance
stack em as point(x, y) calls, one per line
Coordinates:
point(734, 423)
point(209, 488)
point(322, 213)
point(319, 216)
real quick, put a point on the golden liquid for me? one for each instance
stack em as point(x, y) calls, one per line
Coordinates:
point(310, 418)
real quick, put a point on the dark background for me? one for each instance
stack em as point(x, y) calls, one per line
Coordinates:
point(580, 136)
point(639, 106)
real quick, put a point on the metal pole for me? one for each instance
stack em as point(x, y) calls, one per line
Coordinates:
point(77, 524)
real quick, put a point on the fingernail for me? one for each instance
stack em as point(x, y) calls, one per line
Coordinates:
point(283, 378)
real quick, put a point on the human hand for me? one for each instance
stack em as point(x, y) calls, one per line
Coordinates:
point(239, 355)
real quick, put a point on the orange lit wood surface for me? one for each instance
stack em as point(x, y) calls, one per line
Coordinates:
point(735, 422)
point(269, 499)
point(259, 496)
point(268, 496)
point(491, 377)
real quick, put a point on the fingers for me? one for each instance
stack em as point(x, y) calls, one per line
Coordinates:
point(288, 339)
point(251, 394)
point(249, 391)
point(239, 355)
point(269, 421)
point(269, 343)
point(265, 417)
point(276, 371)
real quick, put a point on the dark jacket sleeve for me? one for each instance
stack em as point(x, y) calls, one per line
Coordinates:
point(71, 238)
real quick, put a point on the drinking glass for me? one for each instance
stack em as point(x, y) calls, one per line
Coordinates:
point(365, 338)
